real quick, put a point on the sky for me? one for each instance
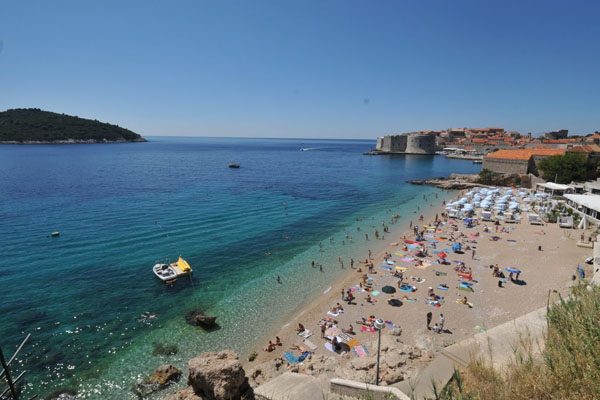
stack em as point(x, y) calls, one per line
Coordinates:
point(309, 69)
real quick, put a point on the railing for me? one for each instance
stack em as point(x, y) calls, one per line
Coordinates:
point(11, 392)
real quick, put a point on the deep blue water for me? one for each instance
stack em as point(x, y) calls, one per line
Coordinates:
point(120, 207)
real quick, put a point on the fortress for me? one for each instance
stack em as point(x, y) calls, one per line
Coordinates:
point(407, 143)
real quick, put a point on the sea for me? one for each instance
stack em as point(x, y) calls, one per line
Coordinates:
point(100, 321)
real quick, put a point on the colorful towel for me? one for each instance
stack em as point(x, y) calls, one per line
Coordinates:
point(386, 267)
point(410, 300)
point(408, 259)
point(376, 293)
point(367, 329)
point(360, 351)
point(421, 266)
point(442, 288)
point(406, 288)
point(400, 253)
point(291, 358)
point(353, 342)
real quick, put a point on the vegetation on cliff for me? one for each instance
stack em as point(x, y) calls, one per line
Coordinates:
point(567, 168)
point(32, 125)
point(568, 368)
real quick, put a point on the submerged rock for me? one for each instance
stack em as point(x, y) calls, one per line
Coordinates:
point(63, 394)
point(198, 318)
point(164, 349)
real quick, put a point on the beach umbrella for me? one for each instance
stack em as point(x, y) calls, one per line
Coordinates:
point(513, 270)
point(394, 302)
point(388, 289)
point(442, 254)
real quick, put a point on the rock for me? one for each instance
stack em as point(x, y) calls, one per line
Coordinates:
point(63, 394)
point(362, 364)
point(186, 394)
point(198, 318)
point(164, 349)
point(218, 376)
point(162, 377)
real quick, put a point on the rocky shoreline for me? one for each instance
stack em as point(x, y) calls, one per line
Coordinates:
point(73, 141)
point(453, 182)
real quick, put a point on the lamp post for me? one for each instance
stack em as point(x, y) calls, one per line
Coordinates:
point(379, 325)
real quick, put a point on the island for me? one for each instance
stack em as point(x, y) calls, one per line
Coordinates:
point(35, 126)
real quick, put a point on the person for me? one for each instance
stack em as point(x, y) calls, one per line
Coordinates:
point(442, 322)
point(464, 300)
point(320, 268)
point(429, 316)
point(270, 347)
point(473, 254)
point(343, 292)
point(436, 328)
point(277, 341)
point(323, 329)
point(369, 299)
point(300, 328)
point(278, 279)
point(350, 329)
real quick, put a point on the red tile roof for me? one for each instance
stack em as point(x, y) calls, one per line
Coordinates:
point(524, 154)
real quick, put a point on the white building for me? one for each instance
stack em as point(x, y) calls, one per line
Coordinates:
point(554, 189)
point(586, 204)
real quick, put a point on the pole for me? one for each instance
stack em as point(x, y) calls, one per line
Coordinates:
point(9, 380)
point(377, 370)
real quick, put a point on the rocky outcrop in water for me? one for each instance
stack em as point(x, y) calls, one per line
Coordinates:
point(215, 376)
point(198, 318)
point(162, 377)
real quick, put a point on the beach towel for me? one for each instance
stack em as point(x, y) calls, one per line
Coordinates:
point(386, 267)
point(305, 334)
point(469, 304)
point(333, 314)
point(407, 259)
point(409, 300)
point(360, 351)
point(291, 358)
point(390, 262)
point(344, 337)
point(353, 342)
point(400, 253)
point(329, 347)
point(421, 266)
point(407, 288)
point(412, 246)
point(433, 303)
point(438, 273)
point(465, 288)
point(376, 293)
point(309, 344)
point(367, 329)
point(442, 288)
point(510, 240)
point(391, 324)
point(447, 250)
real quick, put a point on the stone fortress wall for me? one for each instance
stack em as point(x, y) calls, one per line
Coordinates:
point(408, 143)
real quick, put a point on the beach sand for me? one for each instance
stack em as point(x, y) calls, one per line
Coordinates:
point(550, 268)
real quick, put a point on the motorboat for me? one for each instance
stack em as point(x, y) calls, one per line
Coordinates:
point(168, 272)
point(234, 165)
point(165, 272)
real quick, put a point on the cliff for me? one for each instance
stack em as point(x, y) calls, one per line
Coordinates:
point(34, 126)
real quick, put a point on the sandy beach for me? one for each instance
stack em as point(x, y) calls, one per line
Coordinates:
point(545, 268)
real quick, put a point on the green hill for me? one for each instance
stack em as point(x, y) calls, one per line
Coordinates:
point(32, 125)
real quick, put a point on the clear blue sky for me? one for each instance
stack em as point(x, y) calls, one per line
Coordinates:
point(330, 69)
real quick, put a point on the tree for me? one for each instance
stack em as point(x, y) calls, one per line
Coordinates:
point(486, 176)
point(565, 169)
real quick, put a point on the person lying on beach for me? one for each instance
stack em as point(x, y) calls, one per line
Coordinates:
point(349, 330)
point(464, 300)
point(270, 347)
point(299, 348)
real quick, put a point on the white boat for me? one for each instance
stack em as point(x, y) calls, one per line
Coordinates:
point(164, 272)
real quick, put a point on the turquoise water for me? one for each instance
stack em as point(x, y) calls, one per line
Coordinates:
point(120, 207)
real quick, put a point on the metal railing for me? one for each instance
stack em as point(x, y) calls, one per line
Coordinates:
point(11, 391)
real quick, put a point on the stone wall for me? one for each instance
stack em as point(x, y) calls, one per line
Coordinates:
point(503, 166)
point(420, 144)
